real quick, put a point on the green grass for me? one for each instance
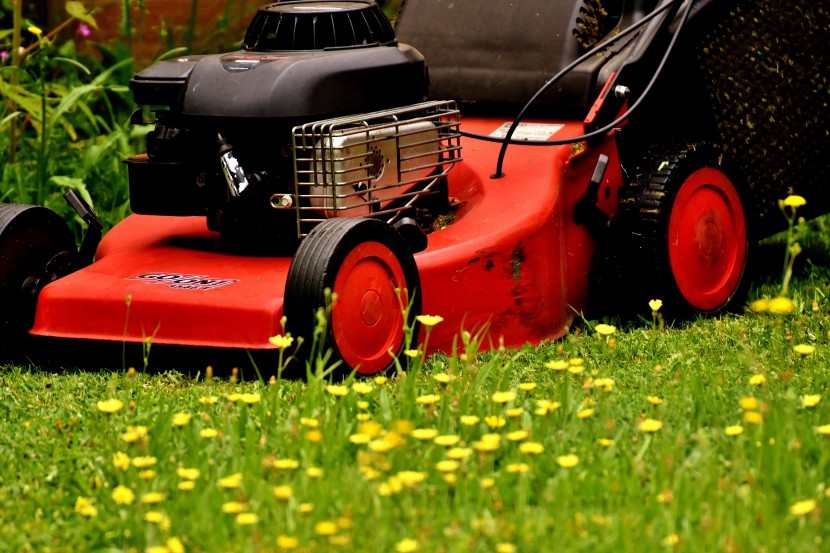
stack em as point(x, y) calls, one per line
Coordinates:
point(362, 474)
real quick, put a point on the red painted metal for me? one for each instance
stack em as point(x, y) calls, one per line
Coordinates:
point(512, 259)
point(707, 239)
point(367, 315)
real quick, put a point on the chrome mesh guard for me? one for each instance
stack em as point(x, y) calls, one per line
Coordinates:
point(376, 164)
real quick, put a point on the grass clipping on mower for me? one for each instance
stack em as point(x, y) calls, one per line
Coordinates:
point(766, 65)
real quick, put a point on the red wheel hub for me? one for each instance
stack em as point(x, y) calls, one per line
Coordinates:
point(367, 317)
point(707, 239)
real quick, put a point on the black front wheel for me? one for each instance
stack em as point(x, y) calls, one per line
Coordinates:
point(374, 284)
point(30, 237)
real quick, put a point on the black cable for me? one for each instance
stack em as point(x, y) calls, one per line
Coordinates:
point(507, 139)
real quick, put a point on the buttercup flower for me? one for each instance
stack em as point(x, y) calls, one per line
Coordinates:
point(234, 507)
point(803, 507)
point(557, 365)
point(123, 495)
point(655, 305)
point(406, 546)
point(337, 390)
point(810, 400)
point(804, 349)
point(517, 468)
point(208, 433)
point(794, 200)
point(250, 399)
point(757, 379)
point(495, 421)
point(84, 507)
point(654, 400)
point(424, 434)
point(325, 528)
point(527, 386)
point(152, 498)
point(781, 305)
point(281, 342)
point(503, 397)
point(121, 460)
point(469, 420)
point(734, 430)
point(37, 31)
point(605, 329)
point(246, 519)
point(181, 419)
point(650, 425)
point(753, 417)
point(748, 403)
point(567, 461)
point(531, 448)
point(287, 542)
point(232, 481)
point(145, 461)
point(362, 388)
point(188, 474)
point(429, 399)
point(446, 440)
point(429, 320)
point(110, 405)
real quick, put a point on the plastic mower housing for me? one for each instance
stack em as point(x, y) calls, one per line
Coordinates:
point(503, 165)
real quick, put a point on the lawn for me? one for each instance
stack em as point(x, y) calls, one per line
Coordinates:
point(710, 436)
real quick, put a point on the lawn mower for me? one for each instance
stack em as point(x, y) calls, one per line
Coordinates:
point(504, 165)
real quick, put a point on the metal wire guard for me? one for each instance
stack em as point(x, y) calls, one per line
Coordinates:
point(375, 164)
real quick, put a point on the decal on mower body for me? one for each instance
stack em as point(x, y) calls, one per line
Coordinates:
point(184, 282)
point(528, 131)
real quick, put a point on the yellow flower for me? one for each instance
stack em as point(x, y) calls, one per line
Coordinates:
point(487, 483)
point(803, 507)
point(605, 330)
point(381, 380)
point(337, 390)
point(314, 472)
point(174, 545)
point(759, 306)
point(35, 30)
point(810, 400)
point(734, 430)
point(527, 386)
point(110, 405)
point(584, 413)
point(286, 464)
point(462, 452)
point(424, 434)
point(233, 397)
point(208, 400)
point(605, 383)
point(655, 305)
point(429, 399)
point(605, 442)
point(446, 440)
point(362, 388)
point(186, 485)
point(309, 422)
point(650, 425)
point(232, 481)
point(517, 468)
point(443, 378)
point(144, 462)
point(234, 507)
point(804, 349)
point(325, 528)
point(246, 519)
point(410, 478)
point(469, 420)
point(567, 461)
point(654, 400)
point(157, 517)
point(181, 419)
point(517, 435)
point(505, 547)
point(406, 546)
point(794, 201)
point(188, 474)
point(495, 421)
point(671, 539)
point(824, 430)
point(287, 542)
point(359, 439)
point(121, 461)
point(152, 498)
point(314, 436)
point(429, 320)
point(305, 508)
point(412, 353)
point(545, 406)
point(576, 368)
point(557, 365)
point(84, 507)
point(486, 445)
point(208, 433)
point(781, 305)
point(447, 465)
point(503, 397)
point(748, 403)
point(123, 495)
point(281, 341)
point(147, 474)
point(250, 399)
point(757, 379)
point(753, 417)
point(531, 448)
point(283, 493)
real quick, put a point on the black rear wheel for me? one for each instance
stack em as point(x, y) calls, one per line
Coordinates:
point(30, 237)
point(367, 266)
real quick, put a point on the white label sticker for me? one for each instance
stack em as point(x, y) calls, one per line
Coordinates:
point(528, 131)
